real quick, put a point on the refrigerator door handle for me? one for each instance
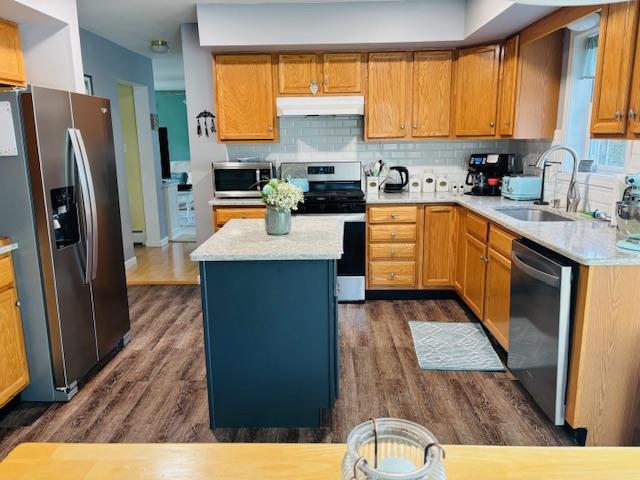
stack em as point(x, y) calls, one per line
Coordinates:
point(86, 203)
point(94, 210)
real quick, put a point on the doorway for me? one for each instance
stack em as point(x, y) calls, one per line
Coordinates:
point(132, 162)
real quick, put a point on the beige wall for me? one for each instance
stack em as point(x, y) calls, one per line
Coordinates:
point(131, 156)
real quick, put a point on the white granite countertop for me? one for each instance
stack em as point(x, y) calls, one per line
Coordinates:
point(236, 202)
point(310, 238)
point(586, 241)
point(8, 248)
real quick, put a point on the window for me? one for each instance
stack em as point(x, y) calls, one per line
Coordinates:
point(609, 156)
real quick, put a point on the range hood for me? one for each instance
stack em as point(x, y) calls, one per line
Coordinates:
point(327, 105)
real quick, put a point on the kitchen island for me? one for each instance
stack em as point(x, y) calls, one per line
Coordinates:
point(270, 322)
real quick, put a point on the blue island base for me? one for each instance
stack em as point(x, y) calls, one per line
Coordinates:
point(271, 342)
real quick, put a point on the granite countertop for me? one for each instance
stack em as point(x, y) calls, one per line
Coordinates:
point(8, 248)
point(586, 241)
point(311, 238)
point(236, 202)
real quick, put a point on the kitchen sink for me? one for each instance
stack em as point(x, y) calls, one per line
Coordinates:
point(533, 215)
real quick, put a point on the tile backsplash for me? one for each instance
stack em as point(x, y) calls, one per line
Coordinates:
point(331, 138)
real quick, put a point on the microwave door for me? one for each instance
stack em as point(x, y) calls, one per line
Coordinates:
point(237, 182)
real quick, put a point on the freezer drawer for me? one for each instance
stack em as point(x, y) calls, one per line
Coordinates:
point(539, 326)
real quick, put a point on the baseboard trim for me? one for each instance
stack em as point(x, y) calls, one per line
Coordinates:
point(411, 295)
point(164, 241)
point(131, 262)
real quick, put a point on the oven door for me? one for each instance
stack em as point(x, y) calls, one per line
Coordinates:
point(352, 264)
point(237, 181)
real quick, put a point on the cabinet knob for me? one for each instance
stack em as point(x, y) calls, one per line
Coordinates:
point(393, 234)
point(618, 116)
point(392, 215)
point(482, 257)
point(492, 124)
point(632, 113)
point(402, 126)
point(392, 275)
point(270, 129)
point(415, 125)
point(18, 303)
point(393, 253)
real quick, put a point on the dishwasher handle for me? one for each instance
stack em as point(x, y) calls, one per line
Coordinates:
point(551, 280)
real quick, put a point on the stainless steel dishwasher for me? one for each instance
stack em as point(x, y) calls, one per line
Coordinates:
point(539, 325)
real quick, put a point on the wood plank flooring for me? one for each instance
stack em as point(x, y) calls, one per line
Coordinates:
point(154, 390)
point(168, 265)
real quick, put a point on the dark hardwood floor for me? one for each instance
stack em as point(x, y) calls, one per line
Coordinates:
point(154, 390)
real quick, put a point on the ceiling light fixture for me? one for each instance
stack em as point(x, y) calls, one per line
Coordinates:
point(159, 46)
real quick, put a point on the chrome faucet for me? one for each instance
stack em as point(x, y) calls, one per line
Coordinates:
point(573, 193)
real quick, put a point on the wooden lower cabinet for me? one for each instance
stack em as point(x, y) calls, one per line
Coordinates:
point(497, 294)
point(439, 249)
point(392, 274)
point(394, 237)
point(475, 274)
point(222, 215)
point(460, 255)
point(14, 372)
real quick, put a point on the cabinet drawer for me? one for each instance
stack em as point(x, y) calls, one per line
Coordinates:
point(392, 274)
point(500, 240)
point(223, 215)
point(404, 214)
point(393, 251)
point(477, 227)
point(6, 271)
point(392, 233)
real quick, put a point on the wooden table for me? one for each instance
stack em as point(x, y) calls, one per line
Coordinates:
point(34, 461)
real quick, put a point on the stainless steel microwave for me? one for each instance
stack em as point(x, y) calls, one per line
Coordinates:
point(240, 179)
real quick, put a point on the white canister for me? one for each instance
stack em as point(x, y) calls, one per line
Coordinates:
point(373, 185)
point(415, 184)
point(428, 182)
point(442, 184)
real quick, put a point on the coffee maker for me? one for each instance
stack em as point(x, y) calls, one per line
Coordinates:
point(487, 169)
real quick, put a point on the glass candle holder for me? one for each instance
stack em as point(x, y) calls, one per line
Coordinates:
point(392, 449)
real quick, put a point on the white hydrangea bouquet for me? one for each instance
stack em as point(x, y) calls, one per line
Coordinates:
point(280, 197)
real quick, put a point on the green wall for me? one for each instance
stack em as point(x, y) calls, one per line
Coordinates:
point(172, 113)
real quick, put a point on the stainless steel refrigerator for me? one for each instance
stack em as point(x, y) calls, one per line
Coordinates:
point(62, 189)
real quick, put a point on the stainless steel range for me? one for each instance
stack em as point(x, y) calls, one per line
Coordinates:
point(335, 188)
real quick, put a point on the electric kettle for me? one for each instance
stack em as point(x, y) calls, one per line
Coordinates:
point(392, 186)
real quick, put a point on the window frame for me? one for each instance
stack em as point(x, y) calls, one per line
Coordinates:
point(572, 72)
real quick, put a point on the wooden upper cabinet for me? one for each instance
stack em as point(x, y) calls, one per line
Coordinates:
point(508, 83)
point(388, 95)
point(245, 103)
point(297, 72)
point(439, 246)
point(477, 91)
point(618, 27)
point(342, 73)
point(633, 114)
point(431, 94)
point(11, 65)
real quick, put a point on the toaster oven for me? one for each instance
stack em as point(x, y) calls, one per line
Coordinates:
point(240, 179)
